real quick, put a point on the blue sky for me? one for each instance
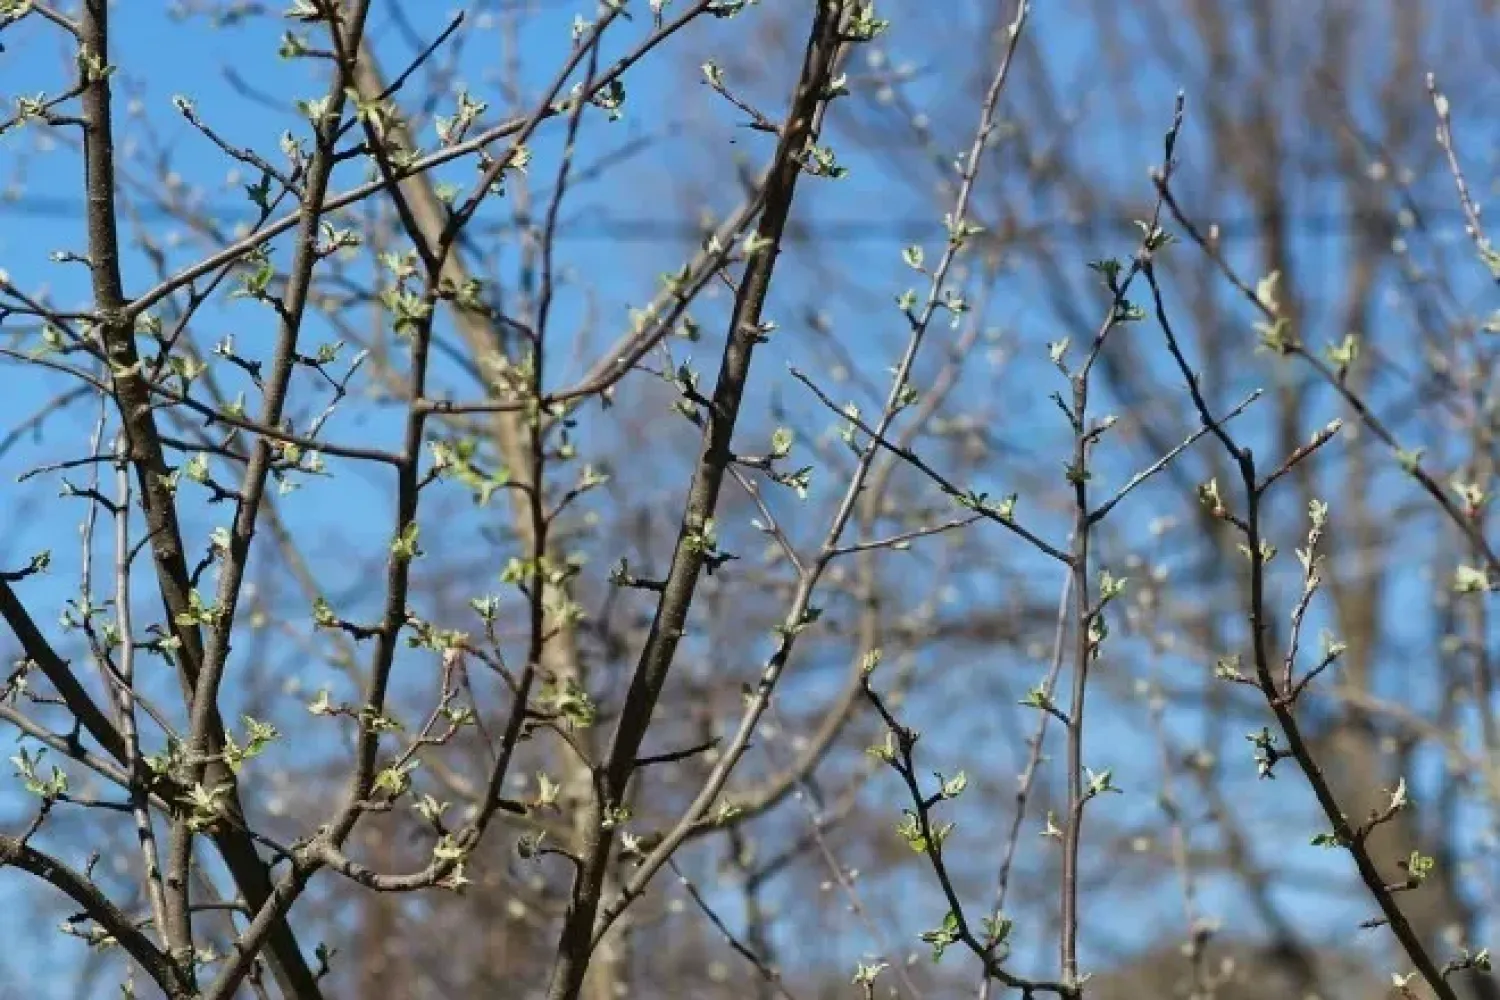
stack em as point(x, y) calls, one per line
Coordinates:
point(619, 235)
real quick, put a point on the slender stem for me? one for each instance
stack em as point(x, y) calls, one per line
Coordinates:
point(140, 803)
point(579, 934)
